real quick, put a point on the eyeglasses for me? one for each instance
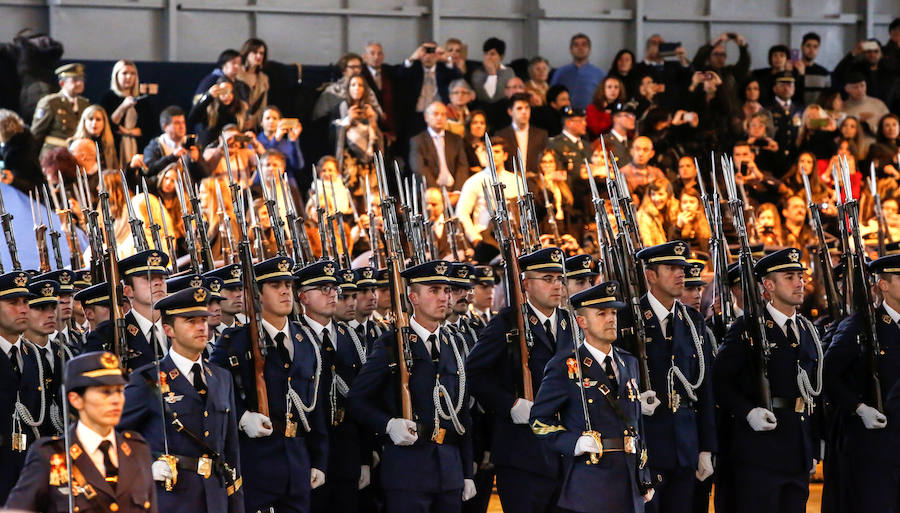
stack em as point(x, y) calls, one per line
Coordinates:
point(324, 289)
point(549, 279)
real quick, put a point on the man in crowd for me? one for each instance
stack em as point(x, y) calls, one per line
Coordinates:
point(817, 79)
point(438, 155)
point(522, 137)
point(56, 115)
point(490, 79)
point(580, 77)
point(172, 145)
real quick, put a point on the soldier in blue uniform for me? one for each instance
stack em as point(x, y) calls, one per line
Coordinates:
point(869, 456)
point(480, 311)
point(427, 461)
point(342, 358)
point(41, 324)
point(185, 406)
point(66, 334)
point(366, 325)
point(678, 409)
point(95, 303)
point(581, 272)
point(110, 470)
point(773, 451)
point(461, 276)
point(214, 286)
point(284, 454)
point(232, 296)
point(20, 382)
point(144, 276)
point(527, 472)
point(603, 465)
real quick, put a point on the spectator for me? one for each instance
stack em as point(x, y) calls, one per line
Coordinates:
point(768, 221)
point(883, 153)
point(58, 161)
point(760, 136)
point(254, 53)
point(691, 224)
point(244, 151)
point(786, 114)
point(94, 125)
point(434, 210)
point(669, 74)
point(437, 155)
point(357, 136)
point(461, 94)
point(521, 136)
point(283, 134)
point(580, 77)
point(498, 115)
point(822, 194)
point(334, 93)
point(639, 173)
point(648, 95)
point(759, 184)
point(618, 138)
point(166, 192)
point(458, 55)
point(779, 66)
point(866, 108)
point(380, 78)
point(329, 174)
point(476, 150)
point(687, 175)
point(547, 116)
point(623, 68)
point(570, 146)
point(537, 85)
point(818, 131)
point(831, 101)
point(796, 231)
point(18, 155)
point(425, 77)
point(215, 109)
point(713, 57)
point(751, 96)
point(610, 91)
point(657, 213)
point(56, 115)
point(817, 79)
point(892, 48)
point(129, 116)
point(490, 79)
point(228, 65)
point(471, 209)
point(867, 60)
point(851, 131)
point(718, 115)
point(558, 193)
point(167, 149)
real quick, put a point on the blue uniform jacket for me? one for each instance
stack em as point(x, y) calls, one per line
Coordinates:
point(277, 464)
point(425, 466)
point(557, 419)
point(848, 383)
point(492, 373)
point(675, 440)
point(211, 417)
point(140, 351)
point(792, 445)
point(28, 390)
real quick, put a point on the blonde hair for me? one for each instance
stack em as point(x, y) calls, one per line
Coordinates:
point(106, 136)
point(114, 79)
point(10, 124)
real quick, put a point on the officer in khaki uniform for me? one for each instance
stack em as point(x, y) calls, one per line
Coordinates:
point(56, 116)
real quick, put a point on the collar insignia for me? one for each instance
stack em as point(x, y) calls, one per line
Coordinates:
point(75, 451)
point(886, 318)
point(533, 320)
point(562, 323)
point(770, 324)
point(173, 373)
point(126, 449)
point(133, 330)
point(587, 361)
point(648, 314)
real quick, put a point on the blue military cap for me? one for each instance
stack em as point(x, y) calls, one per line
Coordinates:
point(231, 276)
point(347, 281)
point(669, 253)
point(462, 274)
point(65, 277)
point(693, 272)
point(43, 292)
point(783, 260)
point(435, 272)
point(14, 284)
point(544, 259)
point(143, 263)
point(82, 279)
point(274, 269)
point(603, 295)
point(485, 275)
point(94, 369)
point(365, 278)
point(580, 266)
point(317, 273)
point(382, 278)
point(756, 250)
point(95, 295)
point(888, 264)
point(32, 272)
point(892, 248)
point(214, 286)
point(184, 281)
point(734, 274)
point(190, 302)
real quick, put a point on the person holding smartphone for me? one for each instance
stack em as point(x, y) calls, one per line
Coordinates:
point(283, 134)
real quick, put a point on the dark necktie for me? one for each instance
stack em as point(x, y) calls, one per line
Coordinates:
point(154, 343)
point(282, 349)
point(361, 330)
point(199, 385)
point(48, 372)
point(326, 341)
point(611, 376)
point(14, 360)
point(112, 472)
point(789, 331)
point(433, 349)
point(548, 329)
point(669, 326)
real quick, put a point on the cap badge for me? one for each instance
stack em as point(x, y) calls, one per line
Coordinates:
point(611, 289)
point(556, 256)
point(200, 295)
point(329, 269)
point(215, 286)
point(154, 259)
point(196, 281)
point(488, 271)
point(348, 276)
point(65, 278)
point(109, 361)
point(679, 249)
point(367, 274)
point(462, 272)
point(695, 271)
point(47, 290)
point(21, 280)
point(235, 272)
point(794, 256)
point(441, 268)
point(586, 263)
point(283, 266)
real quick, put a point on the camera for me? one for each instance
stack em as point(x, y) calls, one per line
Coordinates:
point(189, 140)
point(430, 49)
point(668, 49)
point(241, 139)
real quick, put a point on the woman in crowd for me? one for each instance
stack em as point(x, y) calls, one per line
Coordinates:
point(691, 224)
point(657, 213)
point(283, 135)
point(476, 152)
point(768, 221)
point(94, 125)
point(356, 135)
point(165, 191)
point(537, 85)
point(883, 153)
point(461, 93)
point(687, 175)
point(599, 121)
point(792, 183)
point(216, 109)
point(751, 104)
point(622, 67)
point(18, 153)
point(850, 131)
point(558, 192)
point(334, 93)
point(720, 119)
point(761, 136)
point(817, 133)
point(254, 53)
point(130, 114)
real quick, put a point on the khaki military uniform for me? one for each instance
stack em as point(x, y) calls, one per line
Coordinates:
point(56, 119)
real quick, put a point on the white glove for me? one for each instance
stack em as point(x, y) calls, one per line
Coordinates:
point(815, 463)
point(469, 490)
point(586, 444)
point(704, 466)
point(160, 470)
point(872, 418)
point(521, 411)
point(649, 495)
point(365, 476)
point(376, 459)
point(649, 402)
point(402, 431)
point(316, 478)
point(761, 419)
point(256, 425)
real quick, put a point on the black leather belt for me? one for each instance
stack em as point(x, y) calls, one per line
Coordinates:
point(788, 403)
point(615, 445)
point(203, 466)
point(443, 437)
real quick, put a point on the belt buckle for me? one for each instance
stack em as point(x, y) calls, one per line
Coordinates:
point(629, 445)
point(799, 405)
point(19, 442)
point(674, 401)
point(438, 435)
point(290, 429)
point(595, 457)
point(338, 416)
point(204, 466)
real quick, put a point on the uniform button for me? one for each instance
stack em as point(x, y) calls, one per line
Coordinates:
point(146, 504)
point(206, 414)
point(206, 433)
point(286, 366)
point(76, 509)
point(590, 401)
point(114, 507)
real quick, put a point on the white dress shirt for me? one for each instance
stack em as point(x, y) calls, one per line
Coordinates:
point(471, 209)
point(318, 329)
point(660, 311)
point(600, 357)
point(145, 325)
point(286, 329)
point(780, 319)
point(543, 318)
point(6, 346)
point(90, 441)
point(424, 334)
point(185, 366)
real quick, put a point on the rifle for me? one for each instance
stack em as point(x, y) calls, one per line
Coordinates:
point(40, 230)
point(883, 230)
point(717, 251)
point(374, 239)
point(845, 245)
point(95, 232)
point(275, 220)
point(394, 260)
point(299, 244)
point(186, 217)
point(77, 261)
point(429, 224)
point(54, 233)
point(255, 227)
point(823, 259)
point(551, 211)
point(520, 335)
point(110, 260)
point(321, 218)
point(330, 216)
point(170, 244)
point(755, 334)
point(415, 226)
point(154, 226)
point(344, 259)
point(259, 347)
point(137, 225)
point(455, 235)
point(6, 220)
point(612, 261)
point(225, 237)
point(531, 233)
point(206, 258)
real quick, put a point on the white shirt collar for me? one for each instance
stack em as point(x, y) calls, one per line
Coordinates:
point(91, 439)
point(786, 104)
point(144, 324)
point(543, 318)
point(571, 137)
point(600, 356)
point(658, 308)
point(429, 70)
point(780, 318)
point(434, 134)
point(619, 137)
point(318, 329)
point(372, 70)
point(168, 141)
point(517, 128)
point(895, 316)
point(272, 330)
point(422, 332)
point(184, 365)
point(6, 345)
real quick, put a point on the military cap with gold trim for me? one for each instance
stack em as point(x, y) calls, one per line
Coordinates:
point(757, 251)
point(94, 369)
point(675, 252)
point(70, 70)
point(43, 292)
point(231, 276)
point(214, 286)
point(734, 274)
point(274, 269)
point(888, 264)
point(603, 295)
point(184, 281)
point(65, 277)
point(347, 281)
point(317, 273)
point(462, 274)
point(14, 284)
point(435, 272)
point(892, 248)
point(189, 302)
point(82, 279)
point(580, 266)
point(382, 278)
point(95, 295)
point(143, 263)
point(365, 278)
point(485, 275)
point(542, 260)
point(784, 260)
point(693, 272)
